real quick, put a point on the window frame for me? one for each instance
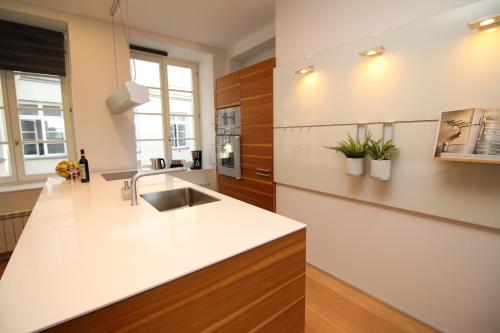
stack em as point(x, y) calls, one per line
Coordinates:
point(14, 131)
point(163, 62)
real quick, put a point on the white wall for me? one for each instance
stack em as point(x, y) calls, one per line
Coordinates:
point(304, 27)
point(443, 273)
point(252, 49)
point(109, 139)
point(260, 57)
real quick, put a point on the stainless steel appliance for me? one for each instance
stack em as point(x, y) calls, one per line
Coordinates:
point(228, 121)
point(158, 163)
point(229, 142)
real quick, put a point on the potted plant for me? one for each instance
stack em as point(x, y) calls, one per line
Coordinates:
point(355, 152)
point(381, 154)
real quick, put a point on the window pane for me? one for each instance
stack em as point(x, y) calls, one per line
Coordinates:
point(55, 136)
point(29, 136)
point(184, 124)
point(28, 113)
point(154, 104)
point(3, 128)
point(56, 148)
point(39, 101)
point(148, 127)
point(147, 73)
point(147, 150)
point(30, 149)
point(37, 89)
point(180, 78)
point(52, 113)
point(181, 103)
point(4, 161)
point(181, 149)
point(28, 125)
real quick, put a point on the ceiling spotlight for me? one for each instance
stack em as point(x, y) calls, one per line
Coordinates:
point(373, 52)
point(485, 23)
point(305, 70)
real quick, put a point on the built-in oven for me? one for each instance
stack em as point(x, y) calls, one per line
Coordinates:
point(228, 145)
point(228, 121)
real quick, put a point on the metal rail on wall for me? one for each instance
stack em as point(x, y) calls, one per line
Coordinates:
point(361, 127)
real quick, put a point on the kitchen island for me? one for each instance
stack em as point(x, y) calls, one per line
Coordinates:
point(89, 261)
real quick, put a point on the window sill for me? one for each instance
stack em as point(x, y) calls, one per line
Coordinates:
point(21, 187)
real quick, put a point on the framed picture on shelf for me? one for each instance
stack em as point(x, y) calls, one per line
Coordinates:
point(470, 135)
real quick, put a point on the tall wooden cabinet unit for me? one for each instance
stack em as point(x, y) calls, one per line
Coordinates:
point(255, 86)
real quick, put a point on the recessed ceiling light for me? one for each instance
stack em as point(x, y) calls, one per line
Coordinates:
point(374, 51)
point(485, 23)
point(305, 70)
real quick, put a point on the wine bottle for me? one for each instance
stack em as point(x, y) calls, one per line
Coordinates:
point(84, 167)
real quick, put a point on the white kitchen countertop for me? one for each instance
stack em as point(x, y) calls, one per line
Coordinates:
point(84, 247)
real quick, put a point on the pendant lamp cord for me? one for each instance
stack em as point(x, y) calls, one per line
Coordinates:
point(126, 33)
point(114, 48)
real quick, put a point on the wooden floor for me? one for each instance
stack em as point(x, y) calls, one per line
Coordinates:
point(334, 306)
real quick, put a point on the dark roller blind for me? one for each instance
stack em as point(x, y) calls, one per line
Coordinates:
point(31, 49)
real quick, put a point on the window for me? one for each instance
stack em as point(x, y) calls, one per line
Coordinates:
point(173, 105)
point(33, 125)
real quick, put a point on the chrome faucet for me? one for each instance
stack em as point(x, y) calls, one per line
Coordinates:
point(135, 178)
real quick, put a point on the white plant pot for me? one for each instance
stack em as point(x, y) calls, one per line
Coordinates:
point(380, 169)
point(355, 166)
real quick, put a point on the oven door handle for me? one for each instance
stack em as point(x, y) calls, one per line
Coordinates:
point(237, 155)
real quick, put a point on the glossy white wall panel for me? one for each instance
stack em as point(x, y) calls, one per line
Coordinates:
point(445, 274)
point(430, 66)
point(459, 191)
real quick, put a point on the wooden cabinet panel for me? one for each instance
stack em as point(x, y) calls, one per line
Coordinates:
point(257, 110)
point(227, 92)
point(257, 156)
point(258, 84)
point(259, 67)
point(259, 290)
point(230, 186)
point(257, 134)
point(256, 100)
point(228, 97)
point(259, 200)
point(228, 80)
point(258, 174)
point(261, 184)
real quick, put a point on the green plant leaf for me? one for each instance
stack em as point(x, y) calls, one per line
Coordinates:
point(379, 151)
point(352, 148)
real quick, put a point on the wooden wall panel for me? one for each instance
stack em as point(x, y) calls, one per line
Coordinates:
point(230, 186)
point(248, 292)
point(227, 81)
point(258, 183)
point(256, 156)
point(258, 110)
point(227, 92)
point(257, 134)
point(259, 67)
point(258, 84)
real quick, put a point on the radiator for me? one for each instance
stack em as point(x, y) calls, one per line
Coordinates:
point(11, 227)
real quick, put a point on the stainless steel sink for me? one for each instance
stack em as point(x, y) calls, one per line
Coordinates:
point(178, 198)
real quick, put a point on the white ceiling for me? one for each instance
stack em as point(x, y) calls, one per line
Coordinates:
point(216, 23)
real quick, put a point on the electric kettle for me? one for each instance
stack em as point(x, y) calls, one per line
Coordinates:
point(158, 163)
